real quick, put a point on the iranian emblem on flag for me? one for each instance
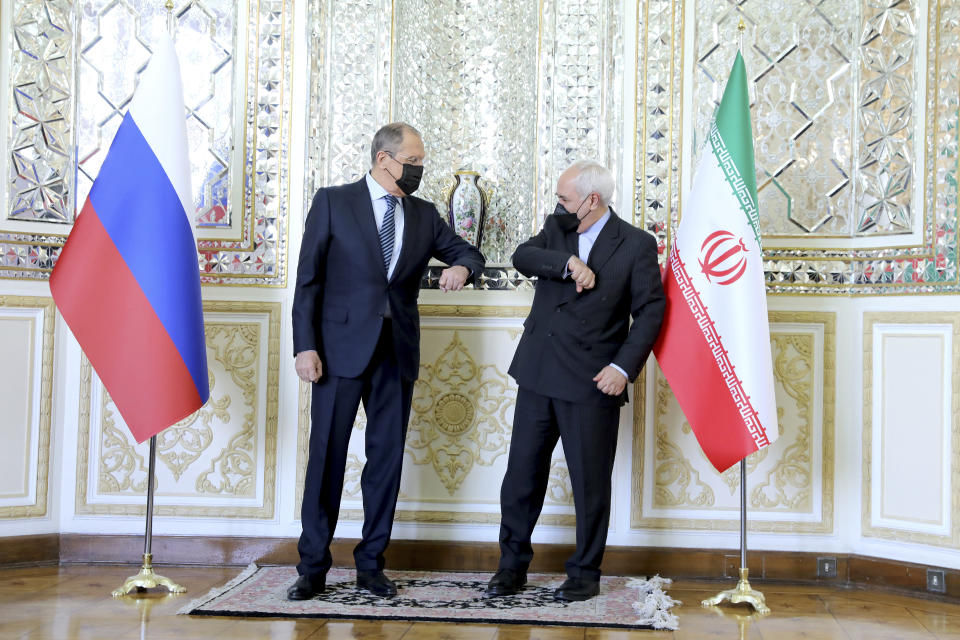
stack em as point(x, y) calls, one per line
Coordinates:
point(714, 345)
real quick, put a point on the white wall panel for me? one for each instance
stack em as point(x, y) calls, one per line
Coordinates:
point(910, 445)
point(26, 376)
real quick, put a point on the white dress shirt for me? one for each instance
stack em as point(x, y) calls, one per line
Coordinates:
point(589, 237)
point(377, 193)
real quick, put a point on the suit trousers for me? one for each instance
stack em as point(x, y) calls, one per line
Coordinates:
point(589, 437)
point(386, 398)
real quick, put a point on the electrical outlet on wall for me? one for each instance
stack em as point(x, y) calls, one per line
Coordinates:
point(827, 567)
point(935, 581)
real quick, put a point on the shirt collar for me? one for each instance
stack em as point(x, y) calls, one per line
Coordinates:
point(596, 227)
point(376, 189)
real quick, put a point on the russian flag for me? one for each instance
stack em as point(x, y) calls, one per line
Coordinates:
point(127, 281)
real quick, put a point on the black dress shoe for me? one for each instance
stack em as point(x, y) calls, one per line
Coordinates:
point(575, 590)
point(505, 582)
point(376, 583)
point(306, 587)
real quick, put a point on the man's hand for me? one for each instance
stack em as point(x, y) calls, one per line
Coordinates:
point(610, 381)
point(453, 278)
point(308, 365)
point(581, 273)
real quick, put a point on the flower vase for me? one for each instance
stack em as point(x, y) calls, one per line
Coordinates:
point(467, 207)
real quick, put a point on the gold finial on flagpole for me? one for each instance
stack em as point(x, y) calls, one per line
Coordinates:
point(741, 27)
point(168, 5)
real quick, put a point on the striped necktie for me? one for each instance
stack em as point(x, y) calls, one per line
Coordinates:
point(387, 231)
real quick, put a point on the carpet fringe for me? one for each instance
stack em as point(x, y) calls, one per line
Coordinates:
point(216, 592)
point(654, 605)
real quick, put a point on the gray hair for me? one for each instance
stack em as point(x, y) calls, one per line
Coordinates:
point(593, 177)
point(389, 137)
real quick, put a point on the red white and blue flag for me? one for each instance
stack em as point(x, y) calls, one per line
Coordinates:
point(714, 346)
point(127, 281)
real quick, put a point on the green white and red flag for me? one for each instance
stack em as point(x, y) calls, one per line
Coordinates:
point(714, 346)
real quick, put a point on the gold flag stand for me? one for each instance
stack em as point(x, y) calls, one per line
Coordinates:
point(147, 579)
point(743, 592)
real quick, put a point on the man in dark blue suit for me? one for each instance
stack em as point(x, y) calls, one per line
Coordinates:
point(356, 337)
point(578, 351)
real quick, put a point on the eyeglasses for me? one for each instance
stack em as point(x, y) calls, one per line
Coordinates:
point(406, 160)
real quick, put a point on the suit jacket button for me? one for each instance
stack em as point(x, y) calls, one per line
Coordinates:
point(550, 334)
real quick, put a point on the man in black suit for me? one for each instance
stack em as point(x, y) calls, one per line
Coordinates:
point(578, 350)
point(356, 336)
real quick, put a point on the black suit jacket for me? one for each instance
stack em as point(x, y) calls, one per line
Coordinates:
point(568, 336)
point(342, 288)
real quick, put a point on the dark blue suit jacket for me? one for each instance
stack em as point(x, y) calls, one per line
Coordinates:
point(568, 336)
point(342, 287)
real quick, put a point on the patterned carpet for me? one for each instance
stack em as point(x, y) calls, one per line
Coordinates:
point(631, 603)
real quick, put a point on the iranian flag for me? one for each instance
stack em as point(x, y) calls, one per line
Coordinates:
point(714, 347)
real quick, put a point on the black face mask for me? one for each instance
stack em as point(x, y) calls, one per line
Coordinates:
point(566, 220)
point(409, 180)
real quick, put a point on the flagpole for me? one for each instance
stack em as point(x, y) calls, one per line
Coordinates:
point(743, 592)
point(147, 579)
point(743, 513)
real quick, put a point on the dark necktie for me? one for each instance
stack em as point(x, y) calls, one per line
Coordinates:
point(388, 231)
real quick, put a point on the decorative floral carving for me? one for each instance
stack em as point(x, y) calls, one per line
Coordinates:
point(182, 444)
point(360, 423)
point(559, 489)
point(788, 484)
point(236, 347)
point(731, 477)
point(782, 477)
point(122, 469)
point(351, 476)
point(243, 356)
point(674, 473)
point(460, 415)
point(787, 479)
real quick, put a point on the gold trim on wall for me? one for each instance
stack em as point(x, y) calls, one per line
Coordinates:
point(952, 360)
point(828, 321)
point(267, 510)
point(39, 508)
point(303, 442)
point(473, 311)
point(460, 517)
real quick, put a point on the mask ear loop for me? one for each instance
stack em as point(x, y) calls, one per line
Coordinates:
point(580, 205)
point(388, 170)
